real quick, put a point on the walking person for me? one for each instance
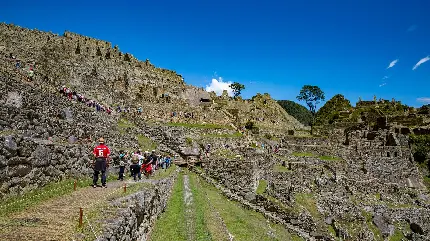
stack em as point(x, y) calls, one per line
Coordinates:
point(122, 157)
point(135, 168)
point(101, 163)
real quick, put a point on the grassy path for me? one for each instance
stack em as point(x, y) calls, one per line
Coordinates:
point(52, 213)
point(57, 218)
point(214, 217)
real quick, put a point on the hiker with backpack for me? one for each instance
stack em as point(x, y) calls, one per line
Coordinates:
point(135, 168)
point(101, 154)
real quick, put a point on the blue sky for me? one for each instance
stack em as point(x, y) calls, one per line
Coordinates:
point(270, 46)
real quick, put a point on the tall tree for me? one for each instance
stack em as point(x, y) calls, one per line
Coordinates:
point(237, 88)
point(312, 95)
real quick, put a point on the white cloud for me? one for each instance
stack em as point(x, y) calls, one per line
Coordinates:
point(385, 77)
point(424, 100)
point(394, 62)
point(422, 61)
point(412, 28)
point(382, 84)
point(218, 86)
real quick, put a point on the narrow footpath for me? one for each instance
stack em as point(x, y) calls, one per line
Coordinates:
point(198, 211)
point(57, 218)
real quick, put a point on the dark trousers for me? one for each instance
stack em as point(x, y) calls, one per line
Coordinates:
point(121, 173)
point(135, 171)
point(100, 167)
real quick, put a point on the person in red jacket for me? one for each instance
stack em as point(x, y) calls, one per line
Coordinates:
point(101, 155)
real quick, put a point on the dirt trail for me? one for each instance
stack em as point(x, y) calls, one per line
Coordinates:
point(55, 219)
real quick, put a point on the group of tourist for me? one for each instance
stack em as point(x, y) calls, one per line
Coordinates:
point(72, 95)
point(138, 163)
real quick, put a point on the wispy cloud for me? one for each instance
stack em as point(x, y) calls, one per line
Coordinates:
point(394, 62)
point(412, 28)
point(218, 86)
point(385, 77)
point(383, 84)
point(424, 100)
point(422, 61)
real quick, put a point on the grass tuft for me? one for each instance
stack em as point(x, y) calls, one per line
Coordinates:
point(145, 143)
point(262, 185)
point(280, 168)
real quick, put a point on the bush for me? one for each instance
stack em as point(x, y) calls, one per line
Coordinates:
point(421, 148)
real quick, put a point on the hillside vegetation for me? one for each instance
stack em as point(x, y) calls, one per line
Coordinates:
point(330, 112)
point(297, 111)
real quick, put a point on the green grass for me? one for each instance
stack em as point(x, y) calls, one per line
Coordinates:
point(378, 196)
point(303, 154)
point(280, 168)
point(331, 230)
point(330, 158)
point(189, 141)
point(200, 205)
point(245, 224)
point(49, 191)
point(427, 182)
point(307, 201)
point(203, 126)
point(262, 185)
point(171, 225)
point(397, 236)
point(124, 123)
point(145, 143)
point(234, 135)
point(163, 173)
point(376, 232)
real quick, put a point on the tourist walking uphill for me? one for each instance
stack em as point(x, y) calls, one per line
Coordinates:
point(101, 163)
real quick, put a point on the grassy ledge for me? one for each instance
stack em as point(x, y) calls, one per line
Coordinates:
point(203, 126)
point(262, 185)
point(170, 225)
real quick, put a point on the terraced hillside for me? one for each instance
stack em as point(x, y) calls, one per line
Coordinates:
point(358, 181)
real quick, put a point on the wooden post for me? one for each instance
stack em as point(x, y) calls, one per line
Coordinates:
point(74, 185)
point(125, 187)
point(81, 214)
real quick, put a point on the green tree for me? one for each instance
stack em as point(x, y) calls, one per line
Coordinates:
point(237, 88)
point(312, 95)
